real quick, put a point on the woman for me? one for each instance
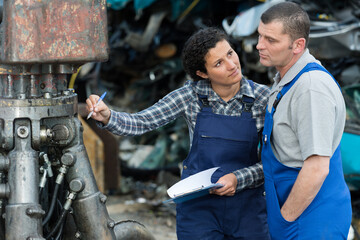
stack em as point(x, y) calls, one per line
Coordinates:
point(224, 113)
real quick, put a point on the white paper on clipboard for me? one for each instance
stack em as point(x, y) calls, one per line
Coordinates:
point(192, 183)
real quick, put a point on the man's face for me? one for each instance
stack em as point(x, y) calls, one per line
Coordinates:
point(275, 47)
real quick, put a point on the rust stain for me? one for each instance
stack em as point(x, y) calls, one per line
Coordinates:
point(56, 30)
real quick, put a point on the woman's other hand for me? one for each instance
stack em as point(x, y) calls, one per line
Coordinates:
point(230, 182)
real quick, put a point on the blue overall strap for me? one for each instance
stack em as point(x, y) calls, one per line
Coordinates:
point(204, 103)
point(248, 101)
point(308, 67)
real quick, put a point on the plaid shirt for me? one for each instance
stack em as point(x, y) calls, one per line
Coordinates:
point(184, 102)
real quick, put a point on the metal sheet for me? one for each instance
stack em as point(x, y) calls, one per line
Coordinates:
point(54, 31)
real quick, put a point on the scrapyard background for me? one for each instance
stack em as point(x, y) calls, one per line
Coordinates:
point(146, 38)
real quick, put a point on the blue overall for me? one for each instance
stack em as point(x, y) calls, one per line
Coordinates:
point(231, 143)
point(329, 214)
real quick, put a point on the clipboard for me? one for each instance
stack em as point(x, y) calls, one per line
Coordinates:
point(194, 186)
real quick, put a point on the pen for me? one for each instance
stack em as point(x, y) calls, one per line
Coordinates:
point(100, 99)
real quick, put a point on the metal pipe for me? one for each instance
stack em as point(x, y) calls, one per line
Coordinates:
point(4, 190)
point(128, 230)
point(23, 212)
point(90, 213)
point(4, 162)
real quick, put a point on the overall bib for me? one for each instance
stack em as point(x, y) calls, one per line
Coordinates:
point(231, 143)
point(329, 214)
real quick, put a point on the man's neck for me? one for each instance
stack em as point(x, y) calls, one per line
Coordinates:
point(284, 69)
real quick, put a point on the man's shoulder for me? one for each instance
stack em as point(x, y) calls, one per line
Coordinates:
point(317, 83)
point(318, 79)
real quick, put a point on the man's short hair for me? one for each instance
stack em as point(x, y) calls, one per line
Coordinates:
point(295, 20)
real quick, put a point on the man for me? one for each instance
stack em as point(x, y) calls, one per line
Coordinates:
point(306, 194)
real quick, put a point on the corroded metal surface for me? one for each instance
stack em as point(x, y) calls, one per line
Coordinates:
point(54, 31)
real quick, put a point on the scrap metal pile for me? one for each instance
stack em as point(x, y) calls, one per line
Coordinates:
point(146, 38)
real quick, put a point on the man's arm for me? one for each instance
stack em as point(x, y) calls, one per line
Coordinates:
point(307, 185)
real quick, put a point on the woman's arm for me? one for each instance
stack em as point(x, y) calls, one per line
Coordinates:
point(164, 111)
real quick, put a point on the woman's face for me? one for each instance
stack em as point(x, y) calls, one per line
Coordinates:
point(222, 65)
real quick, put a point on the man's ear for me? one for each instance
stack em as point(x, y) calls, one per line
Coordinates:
point(201, 74)
point(299, 45)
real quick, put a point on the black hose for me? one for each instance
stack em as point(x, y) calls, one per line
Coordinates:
point(60, 232)
point(58, 223)
point(52, 205)
point(40, 191)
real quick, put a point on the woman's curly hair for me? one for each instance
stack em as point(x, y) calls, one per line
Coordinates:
point(196, 48)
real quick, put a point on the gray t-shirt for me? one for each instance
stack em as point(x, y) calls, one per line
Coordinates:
point(310, 118)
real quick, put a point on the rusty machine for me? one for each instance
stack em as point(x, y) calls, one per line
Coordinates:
point(47, 187)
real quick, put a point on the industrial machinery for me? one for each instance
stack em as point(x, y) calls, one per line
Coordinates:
point(47, 188)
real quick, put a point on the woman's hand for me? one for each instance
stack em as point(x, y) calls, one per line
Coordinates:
point(101, 111)
point(230, 182)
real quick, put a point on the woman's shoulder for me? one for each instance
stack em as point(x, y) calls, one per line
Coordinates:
point(186, 92)
point(259, 89)
point(261, 93)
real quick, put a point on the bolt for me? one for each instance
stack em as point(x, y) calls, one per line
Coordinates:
point(47, 95)
point(33, 212)
point(78, 235)
point(60, 132)
point(21, 96)
point(23, 132)
point(77, 185)
point(111, 224)
point(29, 211)
point(103, 198)
point(49, 133)
point(68, 159)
